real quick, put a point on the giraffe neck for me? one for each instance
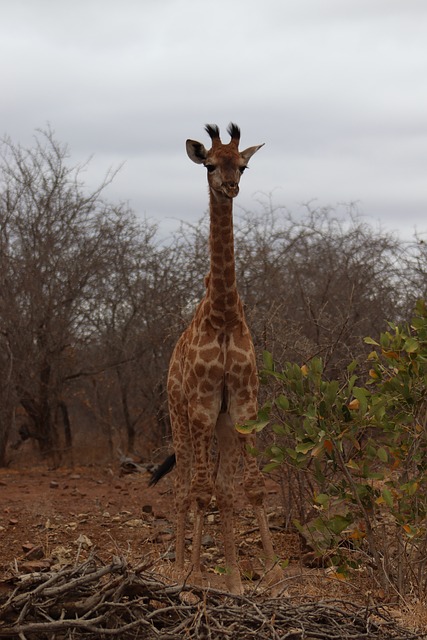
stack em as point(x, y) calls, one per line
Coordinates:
point(222, 288)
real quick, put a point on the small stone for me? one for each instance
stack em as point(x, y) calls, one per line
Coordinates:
point(208, 541)
point(35, 565)
point(164, 537)
point(84, 541)
point(136, 522)
point(53, 484)
point(34, 553)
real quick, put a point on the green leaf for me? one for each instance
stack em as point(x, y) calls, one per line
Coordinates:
point(371, 341)
point(361, 395)
point(264, 412)
point(268, 360)
point(304, 447)
point(387, 497)
point(282, 402)
point(276, 453)
point(252, 451)
point(322, 499)
point(410, 487)
point(251, 426)
point(270, 466)
point(382, 454)
point(373, 475)
point(411, 345)
point(352, 366)
point(279, 429)
point(298, 526)
point(351, 464)
point(338, 523)
point(351, 383)
point(421, 308)
point(331, 390)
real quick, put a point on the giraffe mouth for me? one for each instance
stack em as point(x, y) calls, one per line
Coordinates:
point(230, 190)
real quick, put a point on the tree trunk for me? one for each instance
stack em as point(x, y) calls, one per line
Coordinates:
point(130, 426)
point(5, 422)
point(68, 436)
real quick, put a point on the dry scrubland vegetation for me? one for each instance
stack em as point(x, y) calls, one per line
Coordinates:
point(92, 302)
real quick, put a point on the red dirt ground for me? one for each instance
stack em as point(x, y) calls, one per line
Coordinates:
point(46, 516)
point(51, 518)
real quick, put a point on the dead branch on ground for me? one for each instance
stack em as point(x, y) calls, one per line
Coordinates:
point(94, 601)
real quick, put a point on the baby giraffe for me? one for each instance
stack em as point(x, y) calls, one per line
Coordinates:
point(213, 381)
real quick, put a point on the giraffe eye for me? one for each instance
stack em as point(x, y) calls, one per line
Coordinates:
point(210, 167)
point(241, 169)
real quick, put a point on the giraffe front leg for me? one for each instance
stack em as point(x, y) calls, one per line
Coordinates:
point(196, 570)
point(202, 425)
point(201, 491)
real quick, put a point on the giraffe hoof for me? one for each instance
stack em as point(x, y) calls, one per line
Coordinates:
point(274, 578)
point(186, 577)
point(233, 584)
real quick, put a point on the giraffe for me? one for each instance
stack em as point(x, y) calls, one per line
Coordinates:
point(213, 382)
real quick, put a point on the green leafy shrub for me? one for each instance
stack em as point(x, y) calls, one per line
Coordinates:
point(358, 446)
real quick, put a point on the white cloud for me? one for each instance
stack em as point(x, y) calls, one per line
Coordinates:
point(335, 89)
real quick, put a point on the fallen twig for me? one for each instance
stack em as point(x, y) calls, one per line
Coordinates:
point(92, 602)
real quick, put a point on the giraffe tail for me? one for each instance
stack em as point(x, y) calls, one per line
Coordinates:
point(164, 468)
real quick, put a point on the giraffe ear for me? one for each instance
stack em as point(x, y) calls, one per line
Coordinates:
point(196, 151)
point(249, 152)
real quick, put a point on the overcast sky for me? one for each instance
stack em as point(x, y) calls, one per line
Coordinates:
point(337, 89)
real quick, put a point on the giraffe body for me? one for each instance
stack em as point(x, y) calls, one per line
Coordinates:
point(213, 382)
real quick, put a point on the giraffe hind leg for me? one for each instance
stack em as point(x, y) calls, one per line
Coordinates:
point(182, 503)
point(183, 462)
point(227, 463)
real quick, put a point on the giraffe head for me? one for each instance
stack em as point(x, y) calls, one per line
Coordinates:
point(224, 162)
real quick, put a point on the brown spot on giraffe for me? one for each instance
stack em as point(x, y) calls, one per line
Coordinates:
point(212, 382)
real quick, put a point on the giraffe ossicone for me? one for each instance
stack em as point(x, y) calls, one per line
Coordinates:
point(213, 381)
